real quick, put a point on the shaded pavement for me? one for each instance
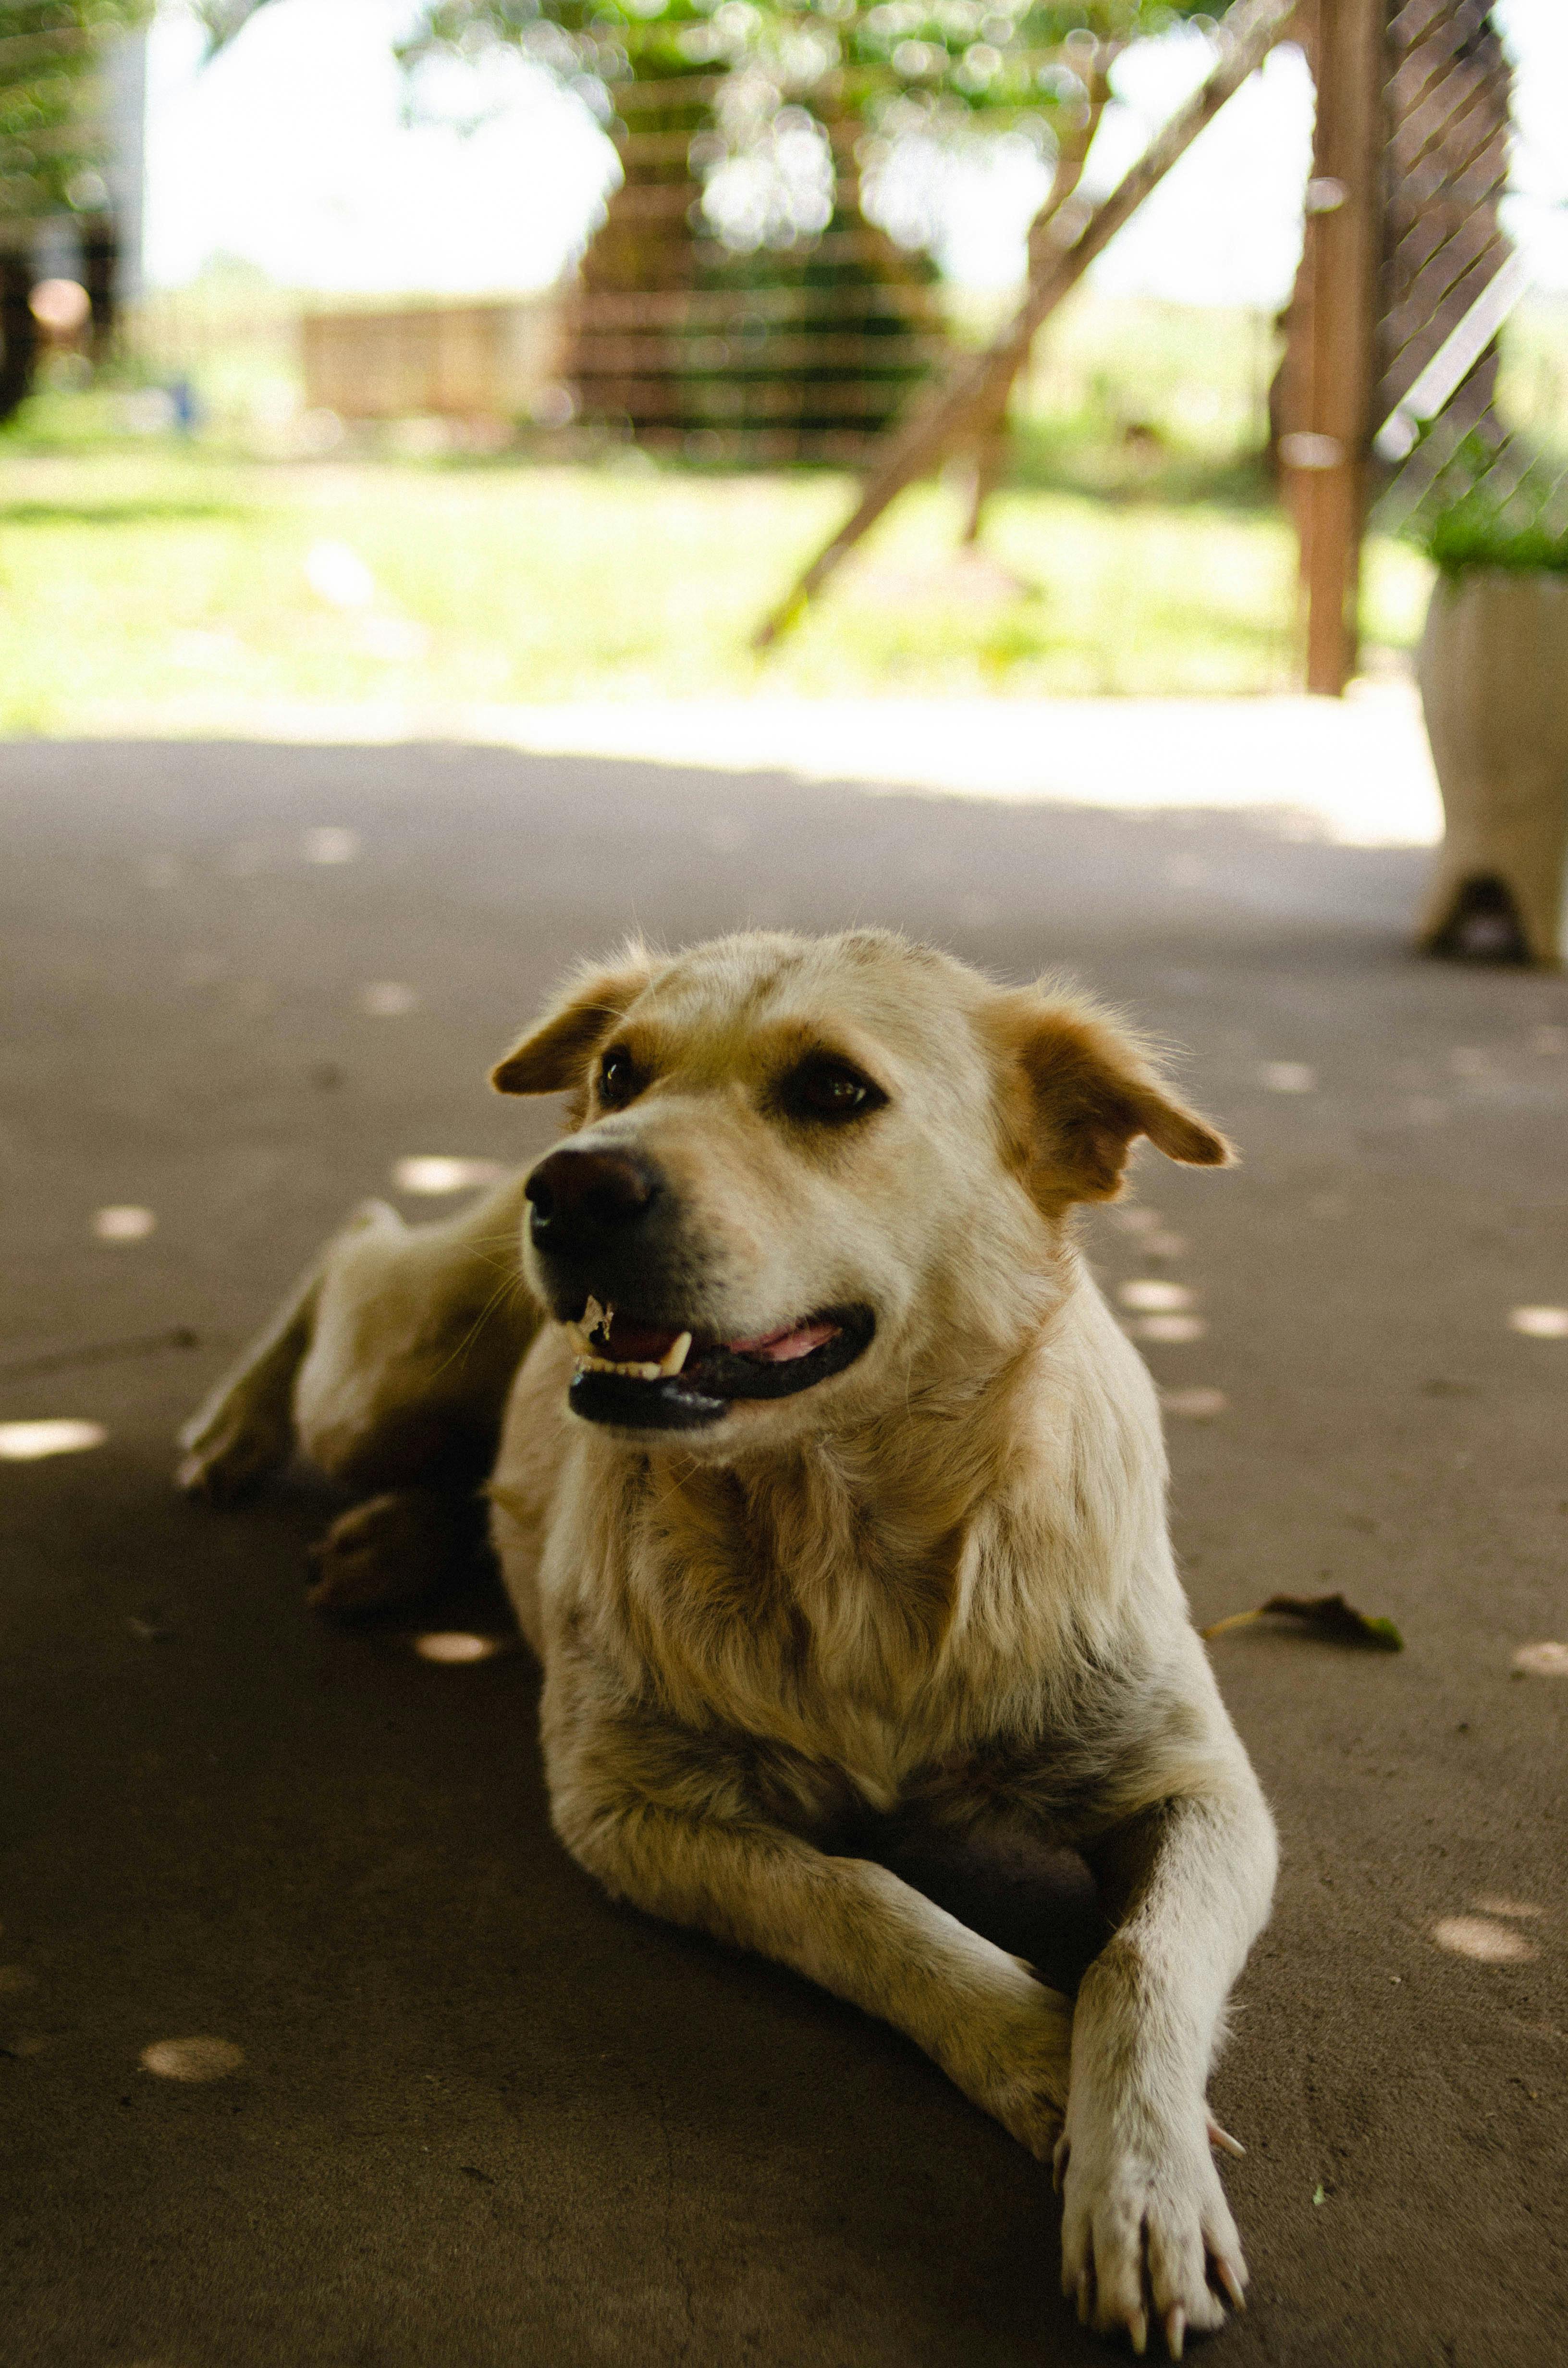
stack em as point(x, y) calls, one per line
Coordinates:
point(484, 2116)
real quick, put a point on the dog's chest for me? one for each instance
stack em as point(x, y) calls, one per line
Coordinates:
point(798, 1624)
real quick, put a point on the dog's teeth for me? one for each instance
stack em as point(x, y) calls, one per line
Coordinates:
point(674, 1356)
point(588, 1363)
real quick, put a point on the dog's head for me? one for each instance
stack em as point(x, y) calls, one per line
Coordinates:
point(802, 1171)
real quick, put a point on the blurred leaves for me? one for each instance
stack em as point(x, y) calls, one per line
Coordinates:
point(949, 58)
point(52, 118)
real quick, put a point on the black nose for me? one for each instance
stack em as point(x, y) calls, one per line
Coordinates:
point(583, 1198)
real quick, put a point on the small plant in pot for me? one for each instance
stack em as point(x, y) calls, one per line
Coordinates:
point(1493, 668)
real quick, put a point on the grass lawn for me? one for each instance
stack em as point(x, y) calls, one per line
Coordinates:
point(167, 587)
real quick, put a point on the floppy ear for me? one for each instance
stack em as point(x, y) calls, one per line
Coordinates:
point(1080, 1087)
point(552, 1055)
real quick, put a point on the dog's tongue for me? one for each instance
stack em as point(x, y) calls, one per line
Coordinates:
point(781, 1348)
point(646, 1344)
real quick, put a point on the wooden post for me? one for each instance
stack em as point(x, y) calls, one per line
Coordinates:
point(1324, 448)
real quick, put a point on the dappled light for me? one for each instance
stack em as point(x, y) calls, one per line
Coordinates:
point(123, 1222)
point(457, 1648)
point(1170, 1329)
point(1488, 1942)
point(1289, 1077)
point(27, 1443)
point(431, 1174)
point(1541, 1323)
point(1154, 1298)
point(192, 2059)
point(329, 843)
point(388, 999)
point(1547, 1659)
point(1194, 1405)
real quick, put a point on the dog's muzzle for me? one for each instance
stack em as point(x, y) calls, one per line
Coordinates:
point(604, 1225)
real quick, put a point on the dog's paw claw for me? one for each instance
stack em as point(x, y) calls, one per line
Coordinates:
point(1222, 2137)
point(1176, 2331)
point(223, 1467)
point(1138, 2331)
point(1226, 2271)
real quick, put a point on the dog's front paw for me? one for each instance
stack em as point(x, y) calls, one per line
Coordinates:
point(1024, 2079)
point(394, 1549)
point(1146, 2231)
point(228, 1450)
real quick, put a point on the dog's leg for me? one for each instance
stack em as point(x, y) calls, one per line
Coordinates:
point(1144, 2217)
point(244, 1427)
point(389, 1363)
point(663, 1823)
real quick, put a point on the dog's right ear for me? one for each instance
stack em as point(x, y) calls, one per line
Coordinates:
point(553, 1055)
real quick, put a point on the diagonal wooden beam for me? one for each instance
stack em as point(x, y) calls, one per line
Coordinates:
point(991, 433)
point(948, 416)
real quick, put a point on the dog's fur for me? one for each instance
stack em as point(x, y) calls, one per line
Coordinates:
point(939, 1580)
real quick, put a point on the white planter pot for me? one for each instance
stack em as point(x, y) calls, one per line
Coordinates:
point(1494, 673)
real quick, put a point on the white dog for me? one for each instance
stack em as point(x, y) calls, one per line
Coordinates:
point(827, 1484)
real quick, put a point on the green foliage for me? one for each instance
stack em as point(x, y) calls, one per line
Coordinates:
point(949, 58)
point(1481, 531)
point(1484, 511)
point(51, 123)
point(952, 58)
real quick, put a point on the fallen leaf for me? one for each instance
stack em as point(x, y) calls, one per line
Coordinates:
point(1317, 2195)
point(1329, 1615)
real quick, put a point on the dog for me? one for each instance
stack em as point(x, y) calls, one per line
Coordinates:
point(826, 1487)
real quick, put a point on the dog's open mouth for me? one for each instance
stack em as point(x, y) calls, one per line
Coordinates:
point(643, 1376)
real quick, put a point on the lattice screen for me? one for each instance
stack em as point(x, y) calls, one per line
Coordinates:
point(1450, 277)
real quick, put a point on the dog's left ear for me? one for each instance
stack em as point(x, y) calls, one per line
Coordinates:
point(1079, 1088)
point(553, 1054)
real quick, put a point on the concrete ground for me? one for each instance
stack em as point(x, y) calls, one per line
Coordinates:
point(481, 2116)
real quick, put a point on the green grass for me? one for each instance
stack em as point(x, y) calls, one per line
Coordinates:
point(162, 588)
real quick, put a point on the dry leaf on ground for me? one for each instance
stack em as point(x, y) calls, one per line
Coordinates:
point(1327, 1615)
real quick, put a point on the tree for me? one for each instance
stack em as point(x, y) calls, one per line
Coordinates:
point(53, 140)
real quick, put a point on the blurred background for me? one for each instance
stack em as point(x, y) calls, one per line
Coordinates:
point(387, 365)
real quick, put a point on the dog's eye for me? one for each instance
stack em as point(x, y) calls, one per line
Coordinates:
point(620, 1081)
point(830, 1089)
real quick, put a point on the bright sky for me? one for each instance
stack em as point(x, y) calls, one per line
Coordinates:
point(291, 150)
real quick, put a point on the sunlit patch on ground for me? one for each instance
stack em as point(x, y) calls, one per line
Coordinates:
point(431, 1173)
point(1155, 1298)
point(1161, 1310)
point(1194, 1405)
point(123, 1224)
point(1541, 1323)
point(1546, 1659)
point(328, 844)
point(387, 999)
point(1477, 1936)
point(454, 1647)
point(25, 1443)
point(1490, 1904)
point(192, 2059)
point(1289, 1077)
